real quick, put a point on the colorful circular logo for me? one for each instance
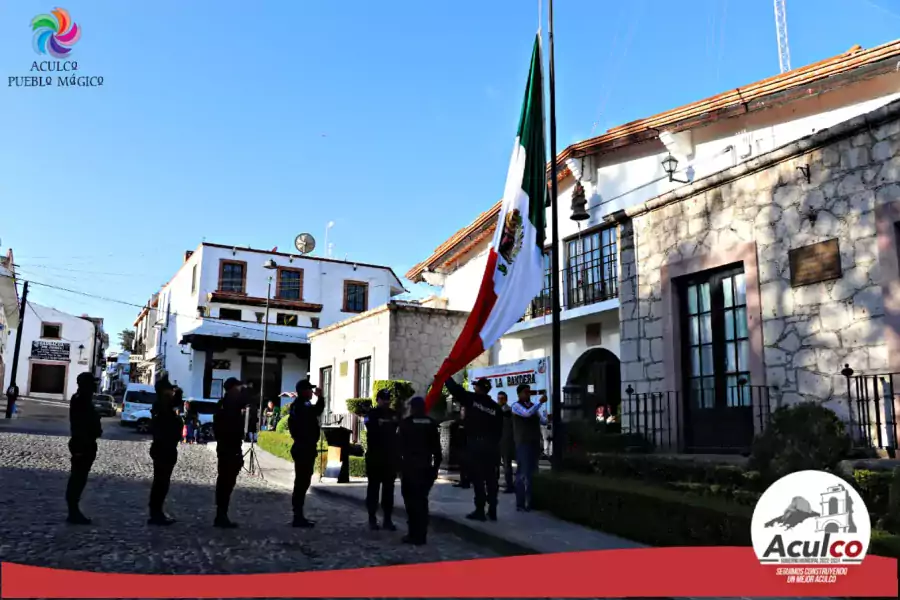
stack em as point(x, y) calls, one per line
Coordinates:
point(55, 34)
point(811, 518)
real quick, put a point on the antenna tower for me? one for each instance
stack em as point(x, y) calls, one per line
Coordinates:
point(784, 51)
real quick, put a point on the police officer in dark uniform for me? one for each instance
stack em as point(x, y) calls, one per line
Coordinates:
point(420, 459)
point(303, 424)
point(228, 424)
point(86, 430)
point(381, 459)
point(166, 426)
point(484, 427)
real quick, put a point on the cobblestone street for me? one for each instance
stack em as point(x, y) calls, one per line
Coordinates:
point(34, 470)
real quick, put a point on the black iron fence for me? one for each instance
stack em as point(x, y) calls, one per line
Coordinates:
point(873, 403)
point(667, 420)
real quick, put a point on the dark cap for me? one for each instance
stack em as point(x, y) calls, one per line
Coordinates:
point(484, 383)
point(417, 403)
point(383, 394)
point(304, 385)
point(231, 383)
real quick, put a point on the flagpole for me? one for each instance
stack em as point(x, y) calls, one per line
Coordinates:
point(556, 391)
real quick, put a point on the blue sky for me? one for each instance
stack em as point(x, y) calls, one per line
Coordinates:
point(248, 122)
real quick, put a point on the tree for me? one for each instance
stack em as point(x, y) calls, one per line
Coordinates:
point(126, 339)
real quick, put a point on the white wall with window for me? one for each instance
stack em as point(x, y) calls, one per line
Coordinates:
point(56, 348)
point(220, 292)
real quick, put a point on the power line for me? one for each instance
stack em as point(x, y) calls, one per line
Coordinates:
point(148, 307)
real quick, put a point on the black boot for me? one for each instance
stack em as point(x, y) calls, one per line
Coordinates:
point(476, 515)
point(302, 522)
point(373, 523)
point(222, 521)
point(388, 525)
point(160, 518)
point(492, 513)
point(76, 517)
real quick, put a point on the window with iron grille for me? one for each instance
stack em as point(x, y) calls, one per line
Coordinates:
point(232, 276)
point(541, 305)
point(356, 298)
point(363, 387)
point(325, 385)
point(592, 268)
point(290, 284)
point(717, 343)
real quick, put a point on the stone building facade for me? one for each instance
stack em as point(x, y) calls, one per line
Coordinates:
point(709, 300)
point(398, 340)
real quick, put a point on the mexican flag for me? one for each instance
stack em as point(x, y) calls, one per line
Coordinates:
point(514, 274)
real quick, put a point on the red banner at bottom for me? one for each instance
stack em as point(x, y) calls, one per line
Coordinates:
point(660, 572)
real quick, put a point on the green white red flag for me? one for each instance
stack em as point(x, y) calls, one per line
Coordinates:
point(514, 274)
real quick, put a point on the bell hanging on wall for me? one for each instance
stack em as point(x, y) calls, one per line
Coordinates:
point(579, 203)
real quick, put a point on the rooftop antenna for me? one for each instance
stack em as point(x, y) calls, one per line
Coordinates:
point(784, 51)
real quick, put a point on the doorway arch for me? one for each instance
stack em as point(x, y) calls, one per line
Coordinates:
point(598, 373)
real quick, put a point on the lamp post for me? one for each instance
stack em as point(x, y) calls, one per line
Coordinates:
point(271, 266)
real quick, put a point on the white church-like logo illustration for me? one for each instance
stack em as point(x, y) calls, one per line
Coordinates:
point(837, 511)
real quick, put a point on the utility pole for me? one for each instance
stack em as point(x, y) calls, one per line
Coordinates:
point(15, 365)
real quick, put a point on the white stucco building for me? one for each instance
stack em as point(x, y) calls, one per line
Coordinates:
point(207, 323)
point(117, 373)
point(9, 308)
point(398, 340)
point(606, 344)
point(56, 348)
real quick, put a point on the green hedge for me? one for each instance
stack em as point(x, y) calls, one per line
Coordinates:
point(400, 389)
point(279, 444)
point(658, 469)
point(359, 406)
point(657, 516)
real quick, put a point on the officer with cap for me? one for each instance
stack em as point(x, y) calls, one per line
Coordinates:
point(420, 458)
point(86, 430)
point(484, 428)
point(303, 423)
point(228, 425)
point(166, 426)
point(381, 459)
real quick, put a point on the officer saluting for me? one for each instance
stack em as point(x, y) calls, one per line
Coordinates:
point(484, 427)
point(420, 455)
point(303, 424)
point(166, 426)
point(228, 423)
point(85, 426)
point(381, 459)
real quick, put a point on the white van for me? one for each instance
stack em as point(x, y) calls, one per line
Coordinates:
point(136, 405)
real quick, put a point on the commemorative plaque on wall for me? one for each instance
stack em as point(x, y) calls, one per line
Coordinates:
point(50, 351)
point(815, 263)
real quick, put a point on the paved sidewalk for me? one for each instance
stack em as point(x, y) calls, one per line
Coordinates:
point(521, 533)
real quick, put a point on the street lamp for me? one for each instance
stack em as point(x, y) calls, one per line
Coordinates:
point(670, 164)
point(80, 351)
point(271, 266)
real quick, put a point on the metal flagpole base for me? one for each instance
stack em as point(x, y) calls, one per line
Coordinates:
point(251, 465)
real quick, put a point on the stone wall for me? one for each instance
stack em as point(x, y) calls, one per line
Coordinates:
point(421, 339)
point(806, 333)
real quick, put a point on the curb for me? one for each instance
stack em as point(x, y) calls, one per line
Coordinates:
point(444, 524)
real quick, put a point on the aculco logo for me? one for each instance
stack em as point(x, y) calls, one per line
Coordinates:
point(810, 517)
